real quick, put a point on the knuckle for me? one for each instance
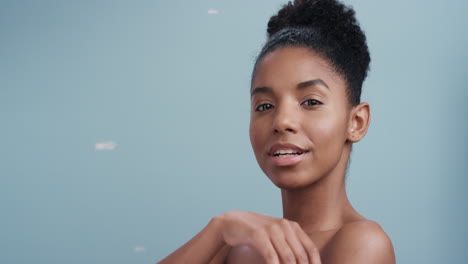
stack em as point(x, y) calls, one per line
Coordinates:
point(231, 213)
point(283, 222)
point(273, 227)
point(258, 234)
point(295, 225)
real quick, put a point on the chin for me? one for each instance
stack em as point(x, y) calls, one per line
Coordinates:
point(290, 180)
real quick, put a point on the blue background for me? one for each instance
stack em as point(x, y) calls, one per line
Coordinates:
point(168, 83)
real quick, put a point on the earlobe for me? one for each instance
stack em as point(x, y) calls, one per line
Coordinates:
point(359, 121)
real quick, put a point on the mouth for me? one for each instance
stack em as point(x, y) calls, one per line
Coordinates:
point(286, 154)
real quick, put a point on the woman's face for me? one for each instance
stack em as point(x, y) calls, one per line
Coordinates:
point(299, 117)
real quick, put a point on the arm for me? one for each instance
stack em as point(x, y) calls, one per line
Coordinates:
point(202, 248)
point(275, 239)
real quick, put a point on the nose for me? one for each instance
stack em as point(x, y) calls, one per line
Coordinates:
point(286, 119)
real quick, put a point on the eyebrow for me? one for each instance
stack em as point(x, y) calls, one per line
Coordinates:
point(300, 86)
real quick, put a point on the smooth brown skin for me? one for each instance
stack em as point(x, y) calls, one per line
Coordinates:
point(319, 225)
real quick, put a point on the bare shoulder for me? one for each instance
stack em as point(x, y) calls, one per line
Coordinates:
point(362, 241)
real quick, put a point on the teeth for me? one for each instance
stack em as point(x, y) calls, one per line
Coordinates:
point(286, 153)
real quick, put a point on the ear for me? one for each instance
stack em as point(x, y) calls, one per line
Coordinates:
point(359, 121)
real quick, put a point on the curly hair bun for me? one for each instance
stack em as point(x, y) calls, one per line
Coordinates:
point(328, 27)
point(326, 16)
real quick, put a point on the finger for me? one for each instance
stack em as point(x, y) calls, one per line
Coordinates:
point(295, 243)
point(309, 246)
point(264, 246)
point(278, 239)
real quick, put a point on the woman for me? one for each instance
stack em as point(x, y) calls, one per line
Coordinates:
point(305, 116)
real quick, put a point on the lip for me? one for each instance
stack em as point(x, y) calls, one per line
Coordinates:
point(286, 161)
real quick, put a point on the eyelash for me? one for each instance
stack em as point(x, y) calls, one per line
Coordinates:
point(315, 102)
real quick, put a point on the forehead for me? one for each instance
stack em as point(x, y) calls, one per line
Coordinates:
point(288, 66)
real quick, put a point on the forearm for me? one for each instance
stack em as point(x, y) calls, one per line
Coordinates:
point(201, 248)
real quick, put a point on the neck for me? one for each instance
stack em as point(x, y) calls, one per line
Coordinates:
point(322, 205)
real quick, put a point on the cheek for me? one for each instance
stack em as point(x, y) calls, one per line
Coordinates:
point(255, 135)
point(328, 133)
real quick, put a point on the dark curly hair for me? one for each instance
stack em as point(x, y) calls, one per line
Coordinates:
point(329, 28)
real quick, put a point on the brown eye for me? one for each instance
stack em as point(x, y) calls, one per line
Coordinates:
point(312, 102)
point(263, 107)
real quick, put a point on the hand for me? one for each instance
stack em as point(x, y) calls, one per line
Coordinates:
point(278, 240)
